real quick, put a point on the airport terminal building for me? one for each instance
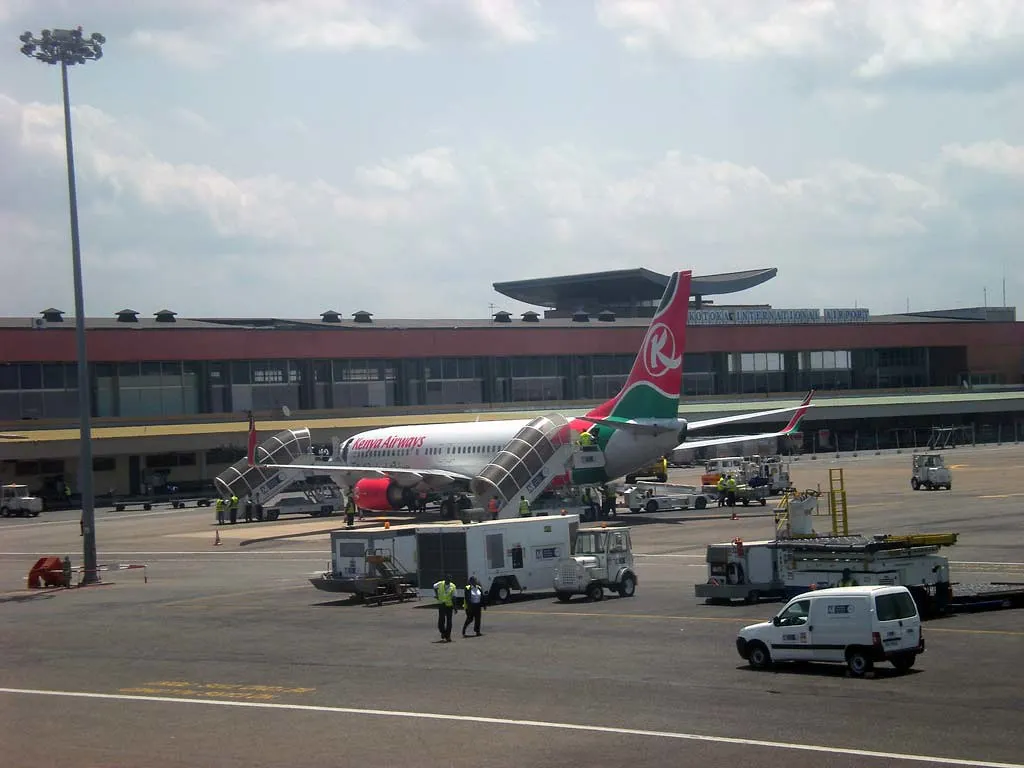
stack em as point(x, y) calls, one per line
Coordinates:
point(163, 369)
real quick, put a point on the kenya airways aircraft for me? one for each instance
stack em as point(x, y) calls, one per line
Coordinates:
point(388, 467)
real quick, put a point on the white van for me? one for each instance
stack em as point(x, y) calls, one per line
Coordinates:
point(853, 625)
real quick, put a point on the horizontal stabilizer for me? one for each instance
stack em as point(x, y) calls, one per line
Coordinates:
point(636, 428)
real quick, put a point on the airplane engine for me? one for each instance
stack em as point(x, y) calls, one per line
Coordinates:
point(382, 494)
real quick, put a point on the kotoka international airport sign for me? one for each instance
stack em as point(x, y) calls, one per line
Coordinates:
point(776, 316)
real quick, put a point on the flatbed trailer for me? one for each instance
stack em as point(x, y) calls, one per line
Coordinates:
point(987, 596)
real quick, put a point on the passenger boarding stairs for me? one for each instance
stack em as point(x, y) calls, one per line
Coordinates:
point(385, 578)
point(261, 484)
point(538, 454)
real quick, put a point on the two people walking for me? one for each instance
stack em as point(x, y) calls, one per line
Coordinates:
point(444, 591)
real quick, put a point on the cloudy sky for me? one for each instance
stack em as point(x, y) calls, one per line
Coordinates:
point(265, 158)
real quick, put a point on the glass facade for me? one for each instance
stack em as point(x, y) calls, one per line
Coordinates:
point(161, 389)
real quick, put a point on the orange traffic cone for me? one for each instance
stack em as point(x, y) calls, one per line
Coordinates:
point(216, 541)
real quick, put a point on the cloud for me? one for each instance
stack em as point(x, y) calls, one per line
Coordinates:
point(374, 235)
point(201, 35)
point(876, 39)
point(996, 157)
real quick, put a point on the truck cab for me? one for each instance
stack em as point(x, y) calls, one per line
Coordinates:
point(602, 559)
point(930, 472)
point(16, 501)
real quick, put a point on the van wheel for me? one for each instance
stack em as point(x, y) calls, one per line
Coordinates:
point(595, 592)
point(859, 662)
point(627, 588)
point(563, 597)
point(701, 502)
point(914, 483)
point(502, 593)
point(652, 507)
point(753, 597)
point(758, 656)
point(904, 661)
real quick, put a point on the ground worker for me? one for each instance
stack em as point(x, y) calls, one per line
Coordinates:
point(586, 440)
point(350, 510)
point(730, 490)
point(234, 509)
point(608, 508)
point(720, 486)
point(493, 507)
point(67, 494)
point(248, 510)
point(524, 507)
point(66, 571)
point(847, 580)
point(220, 511)
point(444, 591)
point(474, 605)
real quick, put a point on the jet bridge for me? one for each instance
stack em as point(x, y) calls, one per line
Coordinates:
point(527, 465)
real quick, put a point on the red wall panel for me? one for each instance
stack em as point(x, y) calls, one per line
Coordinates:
point(120, 345)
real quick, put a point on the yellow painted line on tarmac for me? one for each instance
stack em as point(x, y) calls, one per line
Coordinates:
point(231, 691)
point(733, 620)
point(226, 595)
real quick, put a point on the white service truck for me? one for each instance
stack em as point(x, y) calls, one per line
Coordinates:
point(506, 556)
point(930, 472)
point(16, 501)
point(602, 559)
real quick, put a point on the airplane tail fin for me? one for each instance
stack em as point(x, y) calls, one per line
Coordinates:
point(653, 387)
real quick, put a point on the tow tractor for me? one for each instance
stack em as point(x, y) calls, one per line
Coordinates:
point(16, 501)
point(930, 472)
point(602, 559)
point(659, 497)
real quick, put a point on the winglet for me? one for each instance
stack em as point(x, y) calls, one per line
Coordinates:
point(794, 422)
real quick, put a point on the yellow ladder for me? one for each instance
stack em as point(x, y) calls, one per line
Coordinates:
point(837, 502)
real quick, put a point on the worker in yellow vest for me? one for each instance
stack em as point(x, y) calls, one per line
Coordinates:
point(234, 509)
point(730, 490)
point(220, 511)
point(720, 488)
point(444, 590)
point(586, 440)
point(524, 507)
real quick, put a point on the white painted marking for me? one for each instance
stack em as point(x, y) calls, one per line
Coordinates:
point(527, 724)
point(215, 553)
point(979, 562)
point(644, 554)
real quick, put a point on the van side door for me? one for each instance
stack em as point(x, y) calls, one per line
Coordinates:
point(837, 622)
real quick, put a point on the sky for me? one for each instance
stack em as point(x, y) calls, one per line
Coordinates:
point(265, 158)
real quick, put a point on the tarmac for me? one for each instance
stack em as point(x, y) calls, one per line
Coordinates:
point(227, 656)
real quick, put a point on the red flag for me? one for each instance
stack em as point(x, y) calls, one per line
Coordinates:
point(252, 439)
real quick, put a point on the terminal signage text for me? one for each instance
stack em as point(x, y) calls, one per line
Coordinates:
point(776, 316)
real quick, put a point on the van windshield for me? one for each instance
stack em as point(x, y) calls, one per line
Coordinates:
point(894, 606)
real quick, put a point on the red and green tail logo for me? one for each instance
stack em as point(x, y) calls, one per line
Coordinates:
point(652, 389)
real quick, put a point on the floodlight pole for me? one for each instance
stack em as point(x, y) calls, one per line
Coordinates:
point(69, 47)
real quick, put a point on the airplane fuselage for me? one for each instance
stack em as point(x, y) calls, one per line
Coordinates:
point(466, 448)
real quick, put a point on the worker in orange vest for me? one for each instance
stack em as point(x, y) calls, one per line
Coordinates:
point(493, 507)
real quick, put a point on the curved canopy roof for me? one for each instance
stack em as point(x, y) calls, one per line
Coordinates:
point(622, 285)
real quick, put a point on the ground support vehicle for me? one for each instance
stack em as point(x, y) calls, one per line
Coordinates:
point(758, 570)
point(769, 472)
point(929, 471)
point(506, 556)
point(658, 497)
point(373, 564)
point(16, 501)
point(658, 470)
point(602, 559)
point(856, 626)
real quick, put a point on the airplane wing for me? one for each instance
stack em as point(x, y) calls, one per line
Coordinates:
point(790, 428)
point(345, 475)
point(800, 409)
